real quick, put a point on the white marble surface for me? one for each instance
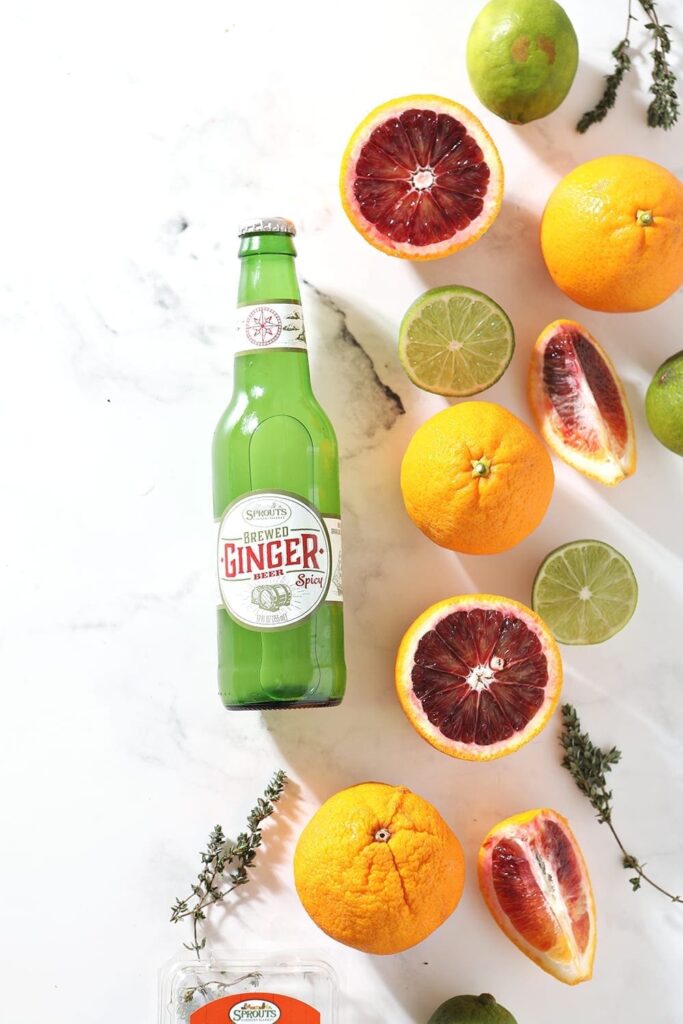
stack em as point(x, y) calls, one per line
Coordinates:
point(134, 138)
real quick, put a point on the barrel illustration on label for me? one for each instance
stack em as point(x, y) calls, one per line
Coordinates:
point(276, 499)
point(271, 596)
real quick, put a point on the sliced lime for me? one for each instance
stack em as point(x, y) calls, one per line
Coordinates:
point(585, 592)
point(455, 341)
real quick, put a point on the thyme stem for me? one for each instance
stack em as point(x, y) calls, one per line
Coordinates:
point(588, 766)
point(231, 862)
point(664, 109)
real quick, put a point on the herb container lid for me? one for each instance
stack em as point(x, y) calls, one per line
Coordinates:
point(255, 989)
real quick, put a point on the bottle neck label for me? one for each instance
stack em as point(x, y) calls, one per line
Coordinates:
point(269, 325)
point(278, 560)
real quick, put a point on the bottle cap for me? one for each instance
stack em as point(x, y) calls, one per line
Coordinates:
point(267, 226)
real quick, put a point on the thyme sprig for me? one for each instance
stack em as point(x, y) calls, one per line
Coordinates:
point(664, 108)
point(588, 765)
point(206, 988)
point(226, 865)
point(622, 64)
point(663, 111)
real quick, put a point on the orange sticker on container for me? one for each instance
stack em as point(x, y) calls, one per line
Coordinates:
point(255, 1008)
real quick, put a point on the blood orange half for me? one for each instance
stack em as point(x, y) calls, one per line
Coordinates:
point(579, 403)
point(421, 178)
point(478, 676)
point(535, 882)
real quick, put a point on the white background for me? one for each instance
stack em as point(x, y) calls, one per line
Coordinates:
point(135, 136)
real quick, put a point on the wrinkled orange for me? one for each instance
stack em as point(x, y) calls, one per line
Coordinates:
point(378, 868)
point(476, 479)
point(612, 234)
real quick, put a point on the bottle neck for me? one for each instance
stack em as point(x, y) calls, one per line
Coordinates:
point(270, 347)
point(267, 272)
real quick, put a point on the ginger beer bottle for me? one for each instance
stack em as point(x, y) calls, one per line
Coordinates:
point(276, 498)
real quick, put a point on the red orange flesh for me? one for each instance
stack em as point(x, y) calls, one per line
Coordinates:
point(579, 403)
point(535, 882)
point(478, 676)
point(421, 178)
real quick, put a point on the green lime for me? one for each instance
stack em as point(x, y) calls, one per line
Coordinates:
point(522, 56)
point(664, 404)
point(455, 341)
point(585, 592)
point(471, 1010)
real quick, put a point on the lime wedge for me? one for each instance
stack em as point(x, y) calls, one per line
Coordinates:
point(585, 592)
point(455, 341)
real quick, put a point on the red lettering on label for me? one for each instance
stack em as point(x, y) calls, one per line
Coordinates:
point(254, 557)
point(305, 581)
point(290, 552)
point(310, 542)
point(228, 561)
point(274, 554)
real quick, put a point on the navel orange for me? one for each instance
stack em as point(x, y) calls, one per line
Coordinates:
point(612, 234)
point(476, 479)
point(378, 868)
point(535, 882)
point(478, 676)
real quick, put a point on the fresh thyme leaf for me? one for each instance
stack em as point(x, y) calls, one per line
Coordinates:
point(225, 866)
point(207, 988)
point(663, 111)
point(589, 766)
point(622, 64)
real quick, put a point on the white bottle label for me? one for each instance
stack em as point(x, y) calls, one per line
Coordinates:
point(269, 325)
point(278, 559)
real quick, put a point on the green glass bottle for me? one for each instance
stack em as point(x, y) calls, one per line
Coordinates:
point(276, 499)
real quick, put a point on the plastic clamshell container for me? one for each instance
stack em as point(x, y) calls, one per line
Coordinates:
point(248, 990)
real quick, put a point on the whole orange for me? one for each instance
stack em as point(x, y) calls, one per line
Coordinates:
point(378, 868)
point(612, 234)
point(476, 479)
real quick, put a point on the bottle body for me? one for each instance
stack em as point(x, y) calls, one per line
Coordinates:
point(276, 498)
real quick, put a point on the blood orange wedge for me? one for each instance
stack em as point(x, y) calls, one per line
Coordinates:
point(421, 178)
point(535, 882)
point(478, 676)
point(579, 403)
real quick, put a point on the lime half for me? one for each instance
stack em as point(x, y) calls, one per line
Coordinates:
point(455, 341)
point(585, 592)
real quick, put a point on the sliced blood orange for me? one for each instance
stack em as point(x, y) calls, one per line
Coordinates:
point(535, 881)
point(421, 178)
point(579, 403)
point(478, 676)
